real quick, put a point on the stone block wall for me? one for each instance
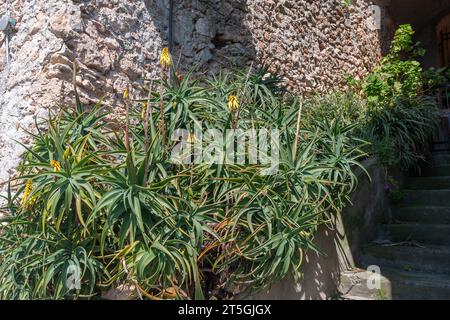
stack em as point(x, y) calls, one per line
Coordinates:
point(314, 44)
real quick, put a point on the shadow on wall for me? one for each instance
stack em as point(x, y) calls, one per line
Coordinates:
point(207, 34)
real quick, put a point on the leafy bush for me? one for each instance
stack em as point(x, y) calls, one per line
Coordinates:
point(401, 134)
point(346, 106)
point(398, 75)
point(397, 134)
point(435, 80)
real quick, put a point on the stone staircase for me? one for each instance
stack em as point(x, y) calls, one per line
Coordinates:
point(414, 251)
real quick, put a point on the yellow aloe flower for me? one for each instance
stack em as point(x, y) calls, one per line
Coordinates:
point(144, 109)
point(126, 93)
point(26, 193)
point(233, 103)
point(55, 165)
point(165, 58)
point(66, 153)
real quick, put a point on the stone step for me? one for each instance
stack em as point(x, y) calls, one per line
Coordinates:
point(436, 171)
point(429, 183)
point(435, 198)
point(410, 285)
point(427, 234)
point(435, 259)
point(425, 214)
point(353, 285)
point(441, 159)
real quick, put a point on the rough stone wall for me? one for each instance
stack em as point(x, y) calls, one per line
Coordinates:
point(313, 43)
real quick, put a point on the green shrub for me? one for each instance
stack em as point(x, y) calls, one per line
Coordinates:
point(398, 119)
point(435, 79)
point(346, 106)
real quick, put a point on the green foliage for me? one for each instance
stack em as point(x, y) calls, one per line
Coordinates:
point(400, 134)
point(403, 43)
point(172, 230)
point(398, 75)
point(346, 3)
point(434, 79)
point(346, 106)
point(397, 119)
